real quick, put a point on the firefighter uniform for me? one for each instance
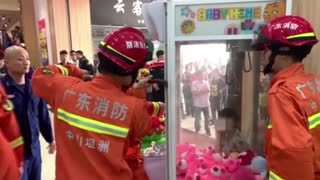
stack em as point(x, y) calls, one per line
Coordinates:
point(9, 126)
point(8, 167)
point(293, 135)
point(10, 139)
point(96, 120)
point(294, 131)
point(33, 116)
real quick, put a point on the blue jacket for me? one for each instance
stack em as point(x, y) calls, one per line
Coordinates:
point(32, 115)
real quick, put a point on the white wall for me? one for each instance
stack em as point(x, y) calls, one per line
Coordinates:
point(9, 5)
point(41, 12)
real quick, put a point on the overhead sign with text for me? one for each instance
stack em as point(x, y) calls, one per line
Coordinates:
point(226, 19)
point(117, 12)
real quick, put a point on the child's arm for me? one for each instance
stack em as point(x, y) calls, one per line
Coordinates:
point(219, 140)
point(238, 143)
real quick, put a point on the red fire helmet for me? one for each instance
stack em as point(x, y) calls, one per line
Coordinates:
point(286, 30)
point(126, 47)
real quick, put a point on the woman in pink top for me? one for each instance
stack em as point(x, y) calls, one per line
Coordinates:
point(201, 92)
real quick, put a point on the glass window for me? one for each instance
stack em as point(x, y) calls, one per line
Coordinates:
point(222, 97)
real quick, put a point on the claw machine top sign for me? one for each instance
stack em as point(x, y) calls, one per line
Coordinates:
point(216, 19)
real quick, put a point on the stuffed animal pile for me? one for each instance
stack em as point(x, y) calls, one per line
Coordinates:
point(154, 145)
point(206, 164)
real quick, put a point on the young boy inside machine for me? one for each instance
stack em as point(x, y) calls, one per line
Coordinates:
point(228, 134)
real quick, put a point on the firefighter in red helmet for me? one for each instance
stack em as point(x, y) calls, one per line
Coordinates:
point(95, 121)
point(293, 135)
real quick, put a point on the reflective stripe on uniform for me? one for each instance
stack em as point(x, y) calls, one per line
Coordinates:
point(64, 70)
point(91, 124)
point(156, 108)
point(274, 176)
point(269, 125)
point(17, 142)
point(162, 119)
point(314, 121)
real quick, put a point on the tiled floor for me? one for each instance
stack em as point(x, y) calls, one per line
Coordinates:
point(188, 135)
point(48, 160)
point(201, 139)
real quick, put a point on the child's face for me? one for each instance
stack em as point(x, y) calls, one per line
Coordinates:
point(230, 125)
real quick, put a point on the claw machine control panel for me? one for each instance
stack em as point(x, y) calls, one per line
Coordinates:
point(213, 76)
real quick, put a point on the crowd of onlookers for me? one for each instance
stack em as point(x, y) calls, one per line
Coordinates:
point(77, 58)
point(15, 37)
point(212, 89)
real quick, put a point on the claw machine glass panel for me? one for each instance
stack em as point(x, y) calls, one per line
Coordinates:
point(216, 96)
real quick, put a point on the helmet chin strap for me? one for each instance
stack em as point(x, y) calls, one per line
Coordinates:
point(134, 76)
point(272, 58)
point(268, 68)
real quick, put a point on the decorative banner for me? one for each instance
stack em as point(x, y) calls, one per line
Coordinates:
point(43, 42)
point(226, 19)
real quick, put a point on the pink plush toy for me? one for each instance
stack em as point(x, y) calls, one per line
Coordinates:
point(186, 153)
point(191, 175)
point(206, 164)
point(182, 167)
point(232, 164)
point(210, 150)
point(217, 173)
point(243, 173)
point(246, 157)
point(184, 149)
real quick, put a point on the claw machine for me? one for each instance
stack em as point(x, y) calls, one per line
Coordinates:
point(209, 41)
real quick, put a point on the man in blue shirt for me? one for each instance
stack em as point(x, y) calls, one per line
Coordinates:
point(31, 112)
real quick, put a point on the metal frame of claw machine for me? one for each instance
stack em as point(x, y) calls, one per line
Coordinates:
point(172, 67)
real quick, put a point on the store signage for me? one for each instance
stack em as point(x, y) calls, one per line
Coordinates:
point(117, 12)
point(226, 19)
point(136, 7)
point(228, 13)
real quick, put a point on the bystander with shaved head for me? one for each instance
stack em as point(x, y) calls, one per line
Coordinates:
point(31, 112)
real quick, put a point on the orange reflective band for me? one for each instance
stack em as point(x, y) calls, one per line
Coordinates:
point(91, 124)
point(156, 108)
point(63, 70)
point(314, 121)
point(17, 142)
point(47, 71)
point(162, 119)
point(269, 125)
point(274, 176)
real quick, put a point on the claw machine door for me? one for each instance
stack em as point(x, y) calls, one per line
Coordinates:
point(215, 107)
